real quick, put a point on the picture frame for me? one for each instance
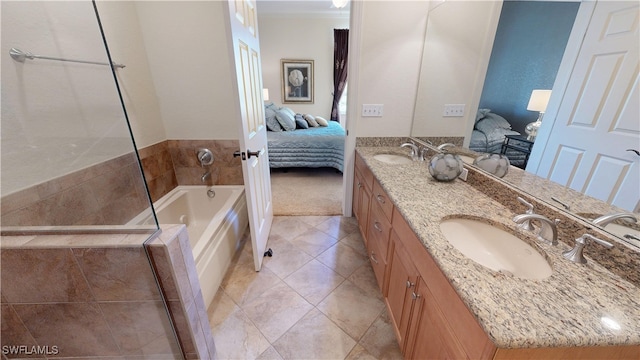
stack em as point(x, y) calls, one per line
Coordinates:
point(297, 81)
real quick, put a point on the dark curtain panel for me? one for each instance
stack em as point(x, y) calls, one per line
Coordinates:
point(340, 57)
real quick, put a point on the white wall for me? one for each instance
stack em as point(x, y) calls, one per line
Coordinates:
point(392, 43)
point(126, 44)
point(188, 55)
point(458, 45)
point(299, 37)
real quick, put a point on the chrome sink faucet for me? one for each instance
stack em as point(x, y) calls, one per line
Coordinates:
point(604, 220)
point(442, 147)
point(414, 150)
point(576, 255)
point(548, 232)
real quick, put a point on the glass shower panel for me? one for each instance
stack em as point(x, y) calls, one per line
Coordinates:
point(67, 155)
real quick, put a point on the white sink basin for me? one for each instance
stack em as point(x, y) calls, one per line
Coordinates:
point(393, 158)
point(495, 248)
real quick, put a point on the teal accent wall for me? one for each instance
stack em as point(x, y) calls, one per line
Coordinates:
point(529, 44)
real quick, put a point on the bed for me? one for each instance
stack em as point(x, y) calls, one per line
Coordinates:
point(488, 136)
point(310, 145)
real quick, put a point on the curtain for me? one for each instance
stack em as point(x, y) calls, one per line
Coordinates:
point(340, 57)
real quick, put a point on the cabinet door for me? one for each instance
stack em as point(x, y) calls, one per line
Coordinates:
point(430, 336)
point(401, 285)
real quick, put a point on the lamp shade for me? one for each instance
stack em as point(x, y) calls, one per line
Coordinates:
point(265, 94)
point(340, 3)
point(539, 100)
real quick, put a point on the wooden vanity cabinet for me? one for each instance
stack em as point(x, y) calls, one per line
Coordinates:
point(378, 233)
point(362, 188)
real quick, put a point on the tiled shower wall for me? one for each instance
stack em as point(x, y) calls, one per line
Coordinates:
point(100, 298)
point(110, 193)
point(174, 162)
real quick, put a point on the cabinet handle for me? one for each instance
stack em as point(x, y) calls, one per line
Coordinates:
point(373, 258)
point(359, 185)
point(410, 284)
point(380, 198)
point(415, 296)
point(376, 225)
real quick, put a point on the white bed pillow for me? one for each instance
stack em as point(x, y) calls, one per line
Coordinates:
point(322, 121)
point(311, 120)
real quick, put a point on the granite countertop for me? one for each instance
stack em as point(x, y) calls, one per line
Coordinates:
point(578, 305)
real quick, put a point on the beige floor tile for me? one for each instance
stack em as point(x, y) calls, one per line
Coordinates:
point(314, 242)
point(356, 242)
point(314, 220)
point(236, 337)
point(288, 227)
point(243, 283)
point(276, 310)
point(351, 309)
point(359, 353)
point(380, 340)
point(339, 226)
point(365, 279)
point(314, 281)
point(314, 337)
point(286, 258)
point(342, 258)
point(270, 354)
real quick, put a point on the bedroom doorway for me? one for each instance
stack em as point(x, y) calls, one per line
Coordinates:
point(303, 191)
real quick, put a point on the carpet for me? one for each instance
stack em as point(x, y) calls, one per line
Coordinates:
point(306, 191)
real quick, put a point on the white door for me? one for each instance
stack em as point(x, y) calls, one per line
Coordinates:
point(597, 119)
point(243, 21)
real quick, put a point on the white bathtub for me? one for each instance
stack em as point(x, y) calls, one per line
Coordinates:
point(215, 226)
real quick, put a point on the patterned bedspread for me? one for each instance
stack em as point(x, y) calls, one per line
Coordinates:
point(313, 147)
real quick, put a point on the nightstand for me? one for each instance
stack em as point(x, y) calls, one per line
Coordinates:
point(518, 143)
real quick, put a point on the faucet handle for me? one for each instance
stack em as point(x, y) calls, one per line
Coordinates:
point(575, 254)
point(526, 224)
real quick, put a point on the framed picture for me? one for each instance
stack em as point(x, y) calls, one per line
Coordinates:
point(297, 81)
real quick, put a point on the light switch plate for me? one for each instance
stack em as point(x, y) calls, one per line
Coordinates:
point(372, 110)
point(453, 110)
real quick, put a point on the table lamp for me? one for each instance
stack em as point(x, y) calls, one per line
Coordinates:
point(538, 102)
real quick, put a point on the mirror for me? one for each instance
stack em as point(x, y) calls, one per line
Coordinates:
point(459, 40)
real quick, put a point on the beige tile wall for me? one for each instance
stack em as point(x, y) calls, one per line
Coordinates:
point(110, 193)
point(174, 162)
point(85, 296)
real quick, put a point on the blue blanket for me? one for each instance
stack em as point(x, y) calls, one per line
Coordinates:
point(313, 147)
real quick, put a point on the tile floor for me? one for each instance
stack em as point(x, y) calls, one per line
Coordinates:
point(316, 298)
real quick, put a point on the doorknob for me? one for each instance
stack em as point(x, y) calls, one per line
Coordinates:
point(252, 153)
point(241, 154)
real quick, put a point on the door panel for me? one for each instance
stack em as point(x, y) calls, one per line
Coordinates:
point(597, 119)
point(253, 135)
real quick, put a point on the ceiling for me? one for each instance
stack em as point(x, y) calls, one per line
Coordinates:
point(308, 7)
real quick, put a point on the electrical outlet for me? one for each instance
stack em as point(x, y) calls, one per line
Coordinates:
point(453, 110)
point(372, 110)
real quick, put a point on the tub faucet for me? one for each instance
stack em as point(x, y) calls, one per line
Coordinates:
point(604, 220)
point(575, 254)
point(414, 150)
point(205, 176)
point(548, 232)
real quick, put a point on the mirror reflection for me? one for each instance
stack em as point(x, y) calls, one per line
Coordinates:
point(521, 44)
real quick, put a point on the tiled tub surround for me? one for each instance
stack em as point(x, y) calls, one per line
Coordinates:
point(100, 298)
point(174, 162)
point(109, 193)
point(565, 310)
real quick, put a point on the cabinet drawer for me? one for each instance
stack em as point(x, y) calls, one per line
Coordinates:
point(379, 196)
point(378, 263)
point(379, 229)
